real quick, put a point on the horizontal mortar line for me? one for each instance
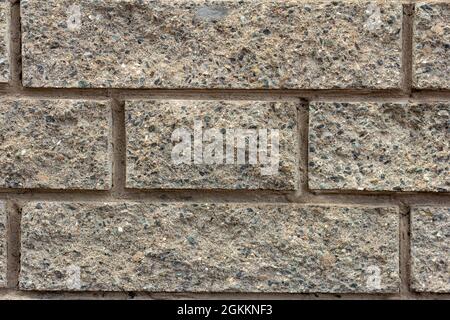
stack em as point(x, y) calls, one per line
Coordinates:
point(133, 91)
point(411, 200)
point(429, 94)
point(227, 94)
point(229, 196)
point(149, 191)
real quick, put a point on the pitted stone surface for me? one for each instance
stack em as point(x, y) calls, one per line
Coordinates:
point(4, 40)
point(211, 44)
point(3, 245)
point(430, 249)
point(372, 146)
point(151, 125)
point(209, 248)
point(432, 46)
point(56, 144)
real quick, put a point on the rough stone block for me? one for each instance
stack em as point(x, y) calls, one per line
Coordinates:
point(211, 44)
point(4, 40)
point(379, 147)
point(430, 249)
point(209, 247)
point(56, 144)
point(432, 45)
point(159, 131)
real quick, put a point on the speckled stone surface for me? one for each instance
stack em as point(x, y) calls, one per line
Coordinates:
point(3, 245)
point(56, 144)
point(4, 40)
point(211, 44)
point(371, 146)
point(432, 45)
point(430, 249)
point(208, 248)
point(151, 124)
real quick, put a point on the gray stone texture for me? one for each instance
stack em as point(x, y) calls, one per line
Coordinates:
point(55, 144)
point(211, 44)
point(4, 40)
point(3, 245)
point(430, 249)
point(379, 147)
point(209, 247)
point(150, 125)
point(432, 45)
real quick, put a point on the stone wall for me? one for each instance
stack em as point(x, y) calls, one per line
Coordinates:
point(339, 186)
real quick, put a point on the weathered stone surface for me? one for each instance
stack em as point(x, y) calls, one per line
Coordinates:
point(57, 144)
point(209, 247)
point(211, 44)
point(151, 125)
point(4, 40)
point(432, 45)
point(371, 146)
point(3, 245)
point(430, 249)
